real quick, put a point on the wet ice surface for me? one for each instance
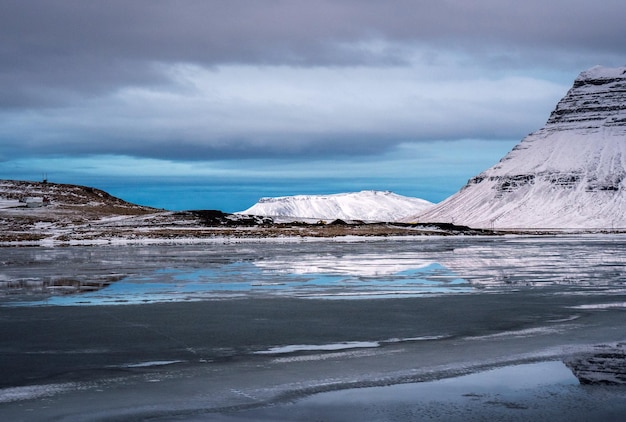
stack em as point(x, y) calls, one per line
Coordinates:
point(502, 394)
point(538, 391)
point(332, 270)
point(225, 330)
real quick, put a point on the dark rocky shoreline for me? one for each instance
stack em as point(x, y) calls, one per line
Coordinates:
point(605, 365)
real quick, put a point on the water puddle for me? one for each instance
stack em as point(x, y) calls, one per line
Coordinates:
point(507, 383)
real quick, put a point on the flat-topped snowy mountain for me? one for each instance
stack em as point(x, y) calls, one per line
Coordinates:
point(365, 205)
point(569, 174)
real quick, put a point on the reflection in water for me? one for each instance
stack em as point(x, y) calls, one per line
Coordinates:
point(245, 278)
point(511, 382)
point(327, 269)
point(536, 391)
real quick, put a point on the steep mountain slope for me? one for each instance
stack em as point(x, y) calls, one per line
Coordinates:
point(365, 205)
point(569, 174)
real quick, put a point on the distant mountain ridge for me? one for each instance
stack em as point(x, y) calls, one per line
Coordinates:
point(369, 205)
point(569, 174)
point(82, 215)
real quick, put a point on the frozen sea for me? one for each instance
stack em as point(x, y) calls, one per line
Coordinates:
point(421, 328)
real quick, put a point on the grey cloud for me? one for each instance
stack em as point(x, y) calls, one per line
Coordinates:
point(74, 55)
point(293, 31)
point(250, 146)
point(286, 145)
point(51, 50)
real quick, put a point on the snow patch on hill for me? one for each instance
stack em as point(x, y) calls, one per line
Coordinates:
point(365, 205)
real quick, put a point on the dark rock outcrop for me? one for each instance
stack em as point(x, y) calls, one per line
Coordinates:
point(607, 365)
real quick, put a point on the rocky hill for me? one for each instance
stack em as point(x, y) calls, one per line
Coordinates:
point(55, 197)
point(33, 211)
point(571, 174)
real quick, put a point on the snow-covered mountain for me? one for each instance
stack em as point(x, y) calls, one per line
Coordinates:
point(365, 205)
point(569, 174)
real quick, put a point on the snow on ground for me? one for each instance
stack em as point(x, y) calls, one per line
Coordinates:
point(10, 203)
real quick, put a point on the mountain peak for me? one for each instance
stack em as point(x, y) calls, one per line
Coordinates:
point(601, 72)
point(569, 174)
point(595, 100)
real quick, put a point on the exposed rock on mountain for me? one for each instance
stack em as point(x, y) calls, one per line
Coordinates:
point(571, 174)
point(364, 205)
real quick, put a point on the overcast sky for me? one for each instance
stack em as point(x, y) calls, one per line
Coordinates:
point(242, 99)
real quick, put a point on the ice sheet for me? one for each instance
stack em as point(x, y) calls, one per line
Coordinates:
point(197, 316)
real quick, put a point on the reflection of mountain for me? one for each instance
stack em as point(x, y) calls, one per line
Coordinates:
point(56, 285)
point(363, 276)
point(388, 268)
point(359, 265)
point(539, 261)
point(482, 262)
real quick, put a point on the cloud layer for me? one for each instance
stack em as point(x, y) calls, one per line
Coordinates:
point(196, 80)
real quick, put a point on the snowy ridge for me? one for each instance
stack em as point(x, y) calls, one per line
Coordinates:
point(571, 174)
point(365, 205)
